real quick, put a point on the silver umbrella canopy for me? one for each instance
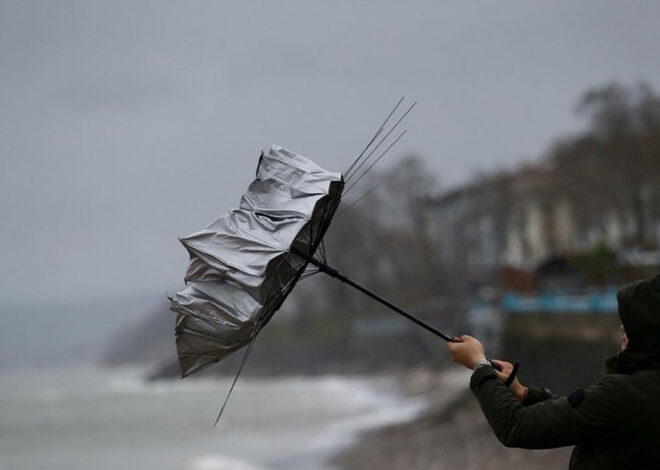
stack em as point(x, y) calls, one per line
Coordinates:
point(244, 264)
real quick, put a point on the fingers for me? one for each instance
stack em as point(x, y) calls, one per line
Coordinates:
point(502, 364)
point(455, 340)
point(454, 349)
point(506, 368)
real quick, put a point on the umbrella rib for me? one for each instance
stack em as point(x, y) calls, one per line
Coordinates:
point(348, 177)
point(322, 230)
point(375, 161)
point(335, 205)
point(378, 132)
point(309, 274)
point(311, 236)
point(322, 250)
point(357, 200)
point(321, 244)
point(240, 369)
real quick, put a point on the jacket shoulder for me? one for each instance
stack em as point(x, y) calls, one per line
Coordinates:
point(614, 381)
point(602, 401)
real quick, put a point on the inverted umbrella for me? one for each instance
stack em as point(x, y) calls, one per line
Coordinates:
point(244, 264)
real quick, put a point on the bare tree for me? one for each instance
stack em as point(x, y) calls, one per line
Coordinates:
point(624, 126)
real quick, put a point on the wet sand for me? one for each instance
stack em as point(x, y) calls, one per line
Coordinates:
point(451, 434)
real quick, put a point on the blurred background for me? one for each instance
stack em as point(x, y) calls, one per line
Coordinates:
point(525, 193)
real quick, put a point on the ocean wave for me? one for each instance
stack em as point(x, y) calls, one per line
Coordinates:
point(289, 422)
point(220, 462)
point(357, 390)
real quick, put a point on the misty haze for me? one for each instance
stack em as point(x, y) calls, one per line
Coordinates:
point(523, 195)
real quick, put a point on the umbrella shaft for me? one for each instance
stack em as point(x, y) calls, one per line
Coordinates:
point(332, 272)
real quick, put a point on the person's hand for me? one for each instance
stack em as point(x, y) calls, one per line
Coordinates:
point(518, 390)
point(466, 350)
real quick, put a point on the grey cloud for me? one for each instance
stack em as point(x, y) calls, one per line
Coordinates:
point(116, 115)
point(113, 91)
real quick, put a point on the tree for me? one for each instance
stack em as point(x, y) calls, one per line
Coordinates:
point(624, 125)
point(614, 165)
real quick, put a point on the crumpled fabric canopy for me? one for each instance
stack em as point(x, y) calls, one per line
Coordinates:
point(241, 267)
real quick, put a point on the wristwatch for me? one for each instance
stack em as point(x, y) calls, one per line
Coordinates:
point(481, 363)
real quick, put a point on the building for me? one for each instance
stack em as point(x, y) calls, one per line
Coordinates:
point(524, 218)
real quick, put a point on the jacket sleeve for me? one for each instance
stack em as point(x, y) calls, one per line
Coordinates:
point(550, 423)
point(537, 395)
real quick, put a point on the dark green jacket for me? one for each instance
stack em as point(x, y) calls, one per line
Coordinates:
point(614, 424)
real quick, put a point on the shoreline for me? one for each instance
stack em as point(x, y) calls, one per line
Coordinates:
point(450, 433)
point(293, 423)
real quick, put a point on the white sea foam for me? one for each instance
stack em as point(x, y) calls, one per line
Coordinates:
point(220, 462)
point(383, 410)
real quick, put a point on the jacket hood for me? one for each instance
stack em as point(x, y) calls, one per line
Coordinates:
point(639, 309)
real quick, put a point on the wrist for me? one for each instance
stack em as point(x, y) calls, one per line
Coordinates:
point(479, 362)
point(520, 393)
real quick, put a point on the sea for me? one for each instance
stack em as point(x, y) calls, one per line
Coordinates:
point(114, 419)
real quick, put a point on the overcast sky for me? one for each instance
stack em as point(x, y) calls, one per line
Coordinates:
point(124, 125)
